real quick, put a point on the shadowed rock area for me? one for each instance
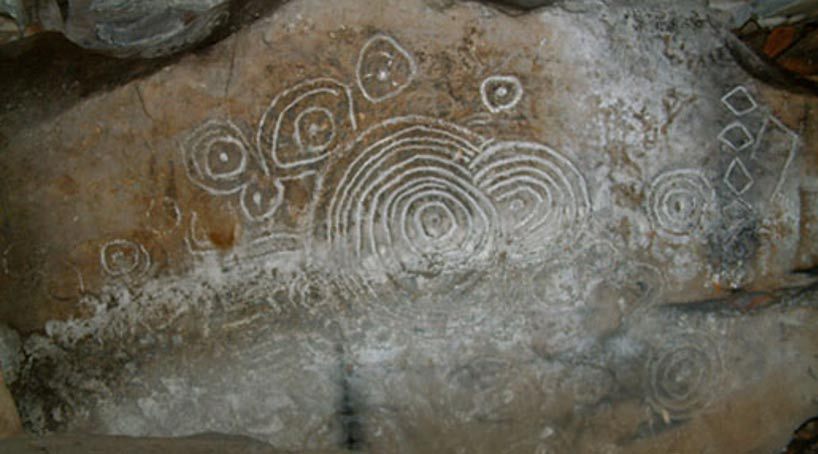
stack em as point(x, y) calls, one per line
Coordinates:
point(417, 226)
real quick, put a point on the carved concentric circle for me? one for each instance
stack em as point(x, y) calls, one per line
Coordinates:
point(404, 216)
point(678, 201)
point(261, 199)
point(314, 129)
point(500, 93)
point(683, 375)
point(303, 124)
point(124, 258)
point(540, 195)
point(217, 157)
point(384, 68)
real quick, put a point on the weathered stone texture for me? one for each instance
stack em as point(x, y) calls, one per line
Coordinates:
point(414, 229)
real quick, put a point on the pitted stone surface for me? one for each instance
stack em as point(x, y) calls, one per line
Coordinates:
point(571, 230)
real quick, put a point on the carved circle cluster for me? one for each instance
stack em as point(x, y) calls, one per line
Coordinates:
point(678, 201)
point(413, 206)
point(220, 160)
point(418, 209)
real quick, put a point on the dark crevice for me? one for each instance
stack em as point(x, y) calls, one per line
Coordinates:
point(745, 301)
point(64, 9)
point(349, 411)
point(805, 438)
point(763, 70)
point(811, 271)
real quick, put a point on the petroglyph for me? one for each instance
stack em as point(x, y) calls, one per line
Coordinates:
point(739, 101)
point(405, 212)
point(460, 233)
point(124, 258)
point(678, 201)
point(500, 93)
point(539, 194)
point(217, 157)
point(260, 201)
point(384, 69)
point(421, 194)
point(736, 136)
point(776, 143)
point(684, 375)
point(772, 149)
point(423, 205)
point(303, 124)
point(737, 177)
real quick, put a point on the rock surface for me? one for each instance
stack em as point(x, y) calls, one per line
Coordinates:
point(580, 229)
point(10, 353)
point(202, 444)
point(10, 424)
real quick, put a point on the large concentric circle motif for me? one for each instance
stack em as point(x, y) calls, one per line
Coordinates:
point(404, 215)
point(415, 212)
point(678, 201)
point(303, 124)
point(540, 195)
point(217, 157)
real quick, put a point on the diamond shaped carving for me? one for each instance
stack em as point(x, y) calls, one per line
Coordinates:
point(736, 136)
point(739, 101)
point(737, 177)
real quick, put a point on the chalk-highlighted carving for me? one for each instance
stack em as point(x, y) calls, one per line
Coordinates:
point(500, 93)
point(217, 157)
point(417, 208)
point(384, 69)
point(205, 236)
point(540, 195)
point(776, 146)
point(402, 212)
point(678, 201)
point(739, 101)
point(303, 124)
point(261, 199)
point(737, 177)
point(737, 212)
point(124, 259)
point(736, 136)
